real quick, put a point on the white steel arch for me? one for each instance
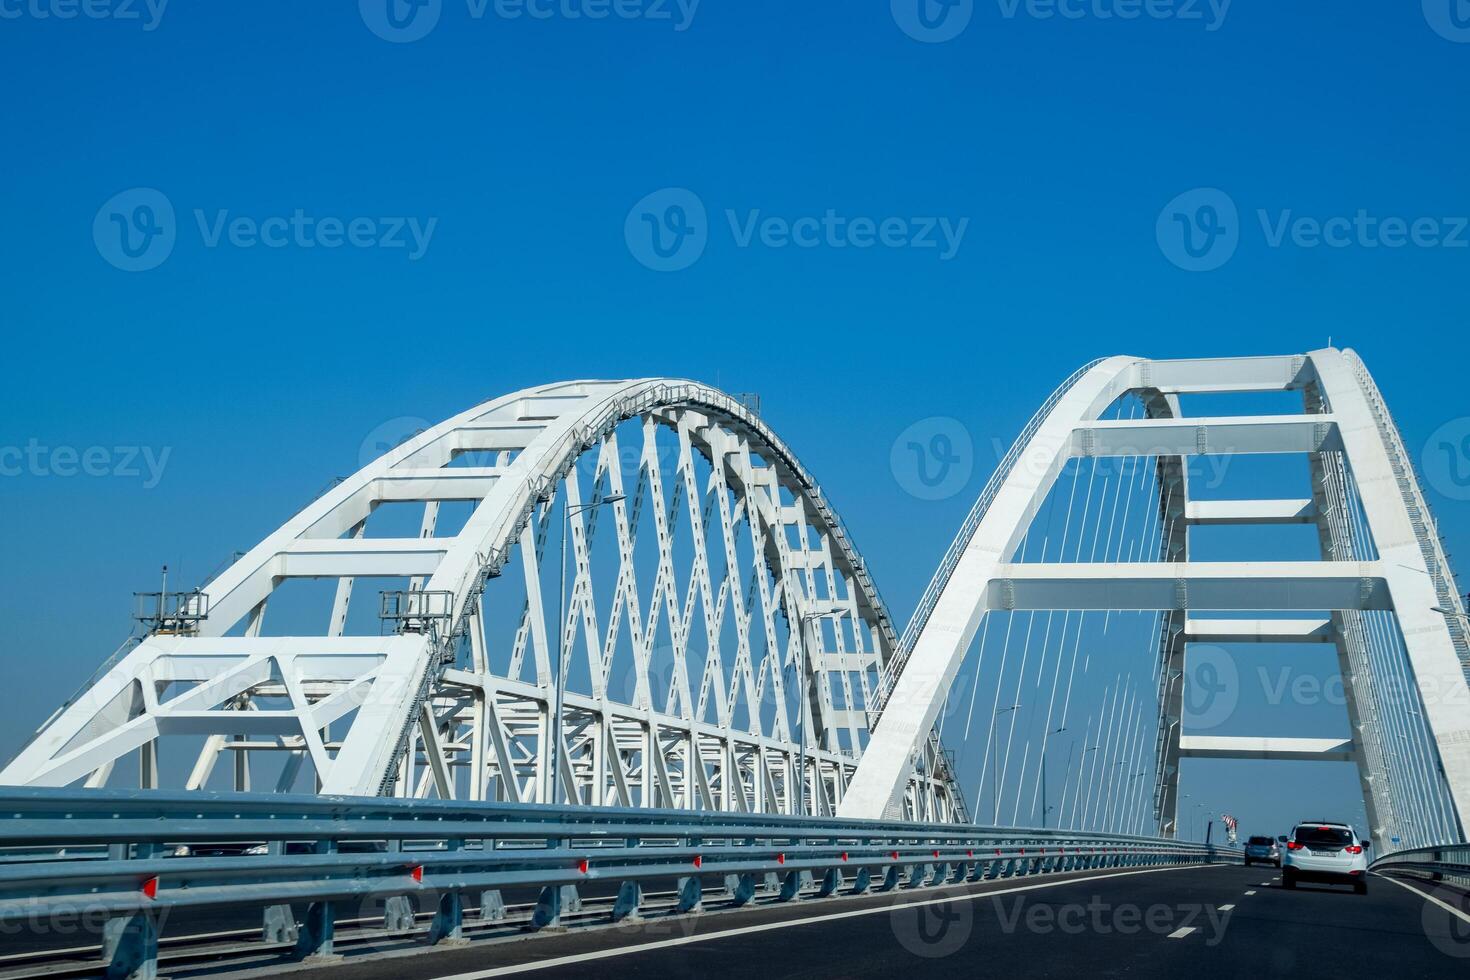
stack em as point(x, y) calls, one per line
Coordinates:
point(744, 553)
point(1382, 591)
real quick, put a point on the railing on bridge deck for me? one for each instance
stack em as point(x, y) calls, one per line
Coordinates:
point(1446, 862)
point(132, 856)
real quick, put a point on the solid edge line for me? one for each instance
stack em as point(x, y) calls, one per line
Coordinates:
point(1424, 895)
point(603, 954)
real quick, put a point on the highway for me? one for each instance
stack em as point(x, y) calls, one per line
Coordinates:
point(1219, 921)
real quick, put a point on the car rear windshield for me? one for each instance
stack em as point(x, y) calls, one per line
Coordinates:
point(1259, 840)
point(1310, 834)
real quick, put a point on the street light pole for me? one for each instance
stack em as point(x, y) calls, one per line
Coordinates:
point(554, 727)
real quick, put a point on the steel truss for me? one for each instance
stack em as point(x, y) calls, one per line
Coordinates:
point(1382, 593)
point(721, 618)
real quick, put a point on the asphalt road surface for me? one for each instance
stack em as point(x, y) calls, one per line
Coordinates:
point(1194, 923)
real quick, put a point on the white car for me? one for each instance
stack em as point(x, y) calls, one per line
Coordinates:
point(1325, 851)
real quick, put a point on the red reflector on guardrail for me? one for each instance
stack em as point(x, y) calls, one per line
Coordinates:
point(418, 873)
point(698, 861)
point(936, 854)
point(150, 888)
point(894, 855)
point(844, 855)
point(780, 859)
point(582, 865)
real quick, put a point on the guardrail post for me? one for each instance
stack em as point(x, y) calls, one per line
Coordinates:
point(317, 931)
point(398, 913)
point(890, 879)
point(448, 924)
point(741, 888)
point(130, 946)
point(863, 882)
point(831, 881)
point(492, 906)
point(629, 903)
point(547, 916)
point(793, 885)
point(278, 925)
point(691, 894)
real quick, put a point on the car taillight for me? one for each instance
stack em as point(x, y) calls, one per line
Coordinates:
point(1353, 849)
point(1292, 845)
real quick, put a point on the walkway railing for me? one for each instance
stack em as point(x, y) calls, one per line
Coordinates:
point(131, 857)
point(1448, 862)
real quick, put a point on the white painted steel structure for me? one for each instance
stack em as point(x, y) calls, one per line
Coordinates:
point(729, 572)
point(724, 575)
point(1382, 592)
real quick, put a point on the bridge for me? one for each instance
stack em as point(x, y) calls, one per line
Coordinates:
point(595, 661)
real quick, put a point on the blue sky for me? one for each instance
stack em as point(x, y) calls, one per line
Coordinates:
point(1056, 150)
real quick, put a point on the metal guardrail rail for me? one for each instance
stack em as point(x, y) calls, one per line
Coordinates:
point(127, 856)
point(1445, 862)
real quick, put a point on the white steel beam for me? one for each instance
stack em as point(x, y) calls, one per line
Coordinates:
point(1290, 749)
point(1205, 513)
point(1223, 374)
point(1259, 631)
point(1247, 586)
point(1206, 436)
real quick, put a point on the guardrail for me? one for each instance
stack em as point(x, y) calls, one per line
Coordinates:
point(132, 856)
point(1445, 862)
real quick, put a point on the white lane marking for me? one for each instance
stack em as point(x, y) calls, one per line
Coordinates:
point(1181, 932)
point(1226, 908)
point(603, 954)
point(1265, 884)
point(1251, 892)
point(1426, 896)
